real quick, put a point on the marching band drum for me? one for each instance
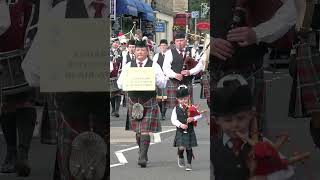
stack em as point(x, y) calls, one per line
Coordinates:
point(114, 74)
point(11, 73)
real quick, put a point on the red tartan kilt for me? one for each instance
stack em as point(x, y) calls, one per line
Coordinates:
point(308, 72)
point(151, 119)
point(172, 86)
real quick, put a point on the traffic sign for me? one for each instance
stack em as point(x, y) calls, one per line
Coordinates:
point(160, 27)
point(195, 14)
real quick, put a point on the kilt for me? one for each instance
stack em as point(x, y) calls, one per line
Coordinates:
point(77, 109)
point(255, 78)
point(151, 117)
point(205, 91)
point(20, 100)
point(49, 120)
point(186, 140)
point(172, 86)
point(114, 90)
point(305, 90)
point(115, 93)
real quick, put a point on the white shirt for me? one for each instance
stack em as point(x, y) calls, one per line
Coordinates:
point(279, 175)
point(155, 60)
point(161, 81)
point(111, 66)
point(5, 20)
point(195, 54)
point(279, 24)
point(167, 64)
point(156, 57)
point(174, 118)
point(124, 57)
point(31, 63)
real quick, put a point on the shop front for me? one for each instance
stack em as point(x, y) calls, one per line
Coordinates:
point(130, 12)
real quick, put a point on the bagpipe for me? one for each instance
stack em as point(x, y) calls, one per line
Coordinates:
point(252, 13)
point(264, 158)
point(190, 62)
point(192, 111)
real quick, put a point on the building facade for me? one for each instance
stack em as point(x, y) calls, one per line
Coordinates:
point(165, 13)
point(126, 15)
point(154, 17)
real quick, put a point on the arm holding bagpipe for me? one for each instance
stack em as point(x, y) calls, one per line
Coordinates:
point(264, 159)
point(194, 113)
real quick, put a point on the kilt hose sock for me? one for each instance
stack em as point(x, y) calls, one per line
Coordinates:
point(163, 109)
point(8, 124)
point(189, 155)
point(143, 150)
point(180, 153)
point(124, 101)
point(26, 119)
point(315, 128)
point(138, 143)
point(117, 103)
point(113, 104)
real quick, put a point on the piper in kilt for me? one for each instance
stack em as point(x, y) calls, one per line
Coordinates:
point(173, 67)
point(185, 137)
point(305, 92)
point(115, 93)
point(18, 114)
point(161, 92)
point(127, 56)
point(205, 87)
point(146, 119)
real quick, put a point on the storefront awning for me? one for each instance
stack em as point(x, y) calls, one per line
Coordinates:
point(203, 26)
point(126, 7)
point(148, 14)
point(139, 6)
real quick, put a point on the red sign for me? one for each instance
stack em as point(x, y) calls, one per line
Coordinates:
point(202, 26)
point(180, 21)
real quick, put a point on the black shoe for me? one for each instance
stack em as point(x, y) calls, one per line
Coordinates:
point(9, 165)
point(315, 134)
point(116, 115)
point(23, 168)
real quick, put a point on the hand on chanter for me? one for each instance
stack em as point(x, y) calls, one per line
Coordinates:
point(184, 126)
point(185, 73)
point(179, 77)
point(244, 36)
point(221, 48)
point(190, 119)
